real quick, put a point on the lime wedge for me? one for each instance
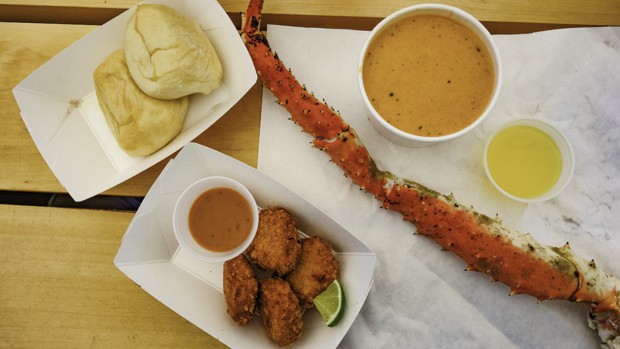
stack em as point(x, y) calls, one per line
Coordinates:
point(331, 303)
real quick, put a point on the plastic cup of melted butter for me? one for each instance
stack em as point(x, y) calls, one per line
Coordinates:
point(528, 160)
point(215, 218)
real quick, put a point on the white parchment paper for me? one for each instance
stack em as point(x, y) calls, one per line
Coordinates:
point(422, 297)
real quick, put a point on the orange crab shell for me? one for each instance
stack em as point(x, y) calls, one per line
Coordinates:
point(515, 259)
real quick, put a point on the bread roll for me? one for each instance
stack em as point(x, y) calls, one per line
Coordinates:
point(140, 123)
point(168, 55)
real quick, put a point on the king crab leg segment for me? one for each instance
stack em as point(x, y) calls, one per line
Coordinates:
point(516, 259)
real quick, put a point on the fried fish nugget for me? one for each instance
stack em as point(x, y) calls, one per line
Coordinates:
point(316, 270)
point(280, 311)
point(240, 289)
point(277, 244)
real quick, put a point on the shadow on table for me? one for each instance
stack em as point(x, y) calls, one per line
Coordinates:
point(122, 203)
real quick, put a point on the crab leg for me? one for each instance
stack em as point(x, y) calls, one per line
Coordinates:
point(514, 258)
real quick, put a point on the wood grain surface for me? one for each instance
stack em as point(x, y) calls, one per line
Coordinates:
point(565, 12)
point(61, 289)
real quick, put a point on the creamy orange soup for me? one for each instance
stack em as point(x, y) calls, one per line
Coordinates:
point(220, 219)
point(428, 75)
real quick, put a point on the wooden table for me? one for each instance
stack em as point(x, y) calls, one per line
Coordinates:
point(59, 285)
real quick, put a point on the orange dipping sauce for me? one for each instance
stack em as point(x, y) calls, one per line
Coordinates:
point(220, 219)
point(428, 75)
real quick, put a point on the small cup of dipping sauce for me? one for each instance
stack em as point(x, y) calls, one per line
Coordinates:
point(215, 218)
point(428, 73)
point(528, 160)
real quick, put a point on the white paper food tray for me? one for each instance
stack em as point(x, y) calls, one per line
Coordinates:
point(59, 106)
point(151, 256)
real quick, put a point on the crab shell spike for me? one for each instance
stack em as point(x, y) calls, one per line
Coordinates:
point(565, 248)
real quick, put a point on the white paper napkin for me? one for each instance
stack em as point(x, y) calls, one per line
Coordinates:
point(421, 296)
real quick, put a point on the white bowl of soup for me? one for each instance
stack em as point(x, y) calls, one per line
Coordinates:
point(428, 73)
point(215, 218)
point(529, 160)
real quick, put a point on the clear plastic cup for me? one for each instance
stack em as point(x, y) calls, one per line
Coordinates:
point(564, 147)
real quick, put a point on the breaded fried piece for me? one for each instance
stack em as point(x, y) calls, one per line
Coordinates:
point(316, 269)
point(240, 289)
point(277, 244)
point(279, 310)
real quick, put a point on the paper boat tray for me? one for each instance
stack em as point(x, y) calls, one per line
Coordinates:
point(151, 256)
point(60, 109)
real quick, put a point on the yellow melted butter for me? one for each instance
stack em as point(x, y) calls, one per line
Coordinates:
point(524, 161)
